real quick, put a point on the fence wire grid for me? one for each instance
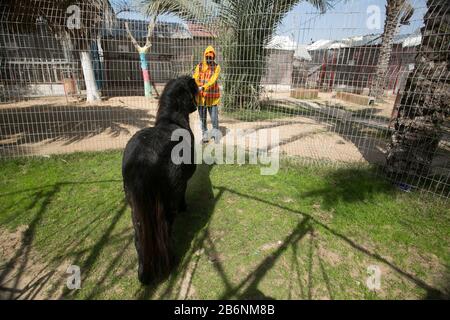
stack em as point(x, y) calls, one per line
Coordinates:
point(342, 81)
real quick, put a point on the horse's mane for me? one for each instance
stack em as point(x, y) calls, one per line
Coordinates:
point(175, 102)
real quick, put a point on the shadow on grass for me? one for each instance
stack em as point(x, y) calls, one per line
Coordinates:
point(347, 185)
point(14, 283)
point(191, 234)
point(250, 283)
point(20, 260)
point(350, 185)
point(368, 112)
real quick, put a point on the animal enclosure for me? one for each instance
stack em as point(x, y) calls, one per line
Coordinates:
point(355, 82)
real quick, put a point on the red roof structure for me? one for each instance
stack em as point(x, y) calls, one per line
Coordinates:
point(200, 31)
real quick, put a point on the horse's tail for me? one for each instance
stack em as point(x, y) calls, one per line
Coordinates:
point(151, 236)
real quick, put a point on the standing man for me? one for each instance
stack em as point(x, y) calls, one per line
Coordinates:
point(206, 75)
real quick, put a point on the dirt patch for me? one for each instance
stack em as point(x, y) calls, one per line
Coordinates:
point(332, 257)
point(219, 235)
point(381, 108)
point(437, 275)
point(23, 274)
point(187, 290)
point(270, 246)
point(417, 275)
point(323, 215)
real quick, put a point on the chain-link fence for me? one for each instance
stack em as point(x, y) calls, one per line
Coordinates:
point(341, 81)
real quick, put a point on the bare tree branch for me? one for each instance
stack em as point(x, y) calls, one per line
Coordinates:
point(133, 40)
point(150, 28)
point(122, 6)
point(155, 10)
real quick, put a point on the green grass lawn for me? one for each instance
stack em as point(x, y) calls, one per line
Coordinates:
point(305, 233)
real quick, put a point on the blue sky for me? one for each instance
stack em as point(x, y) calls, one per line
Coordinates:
point(347, 18)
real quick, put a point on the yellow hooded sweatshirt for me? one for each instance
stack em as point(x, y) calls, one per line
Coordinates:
point(206, 76)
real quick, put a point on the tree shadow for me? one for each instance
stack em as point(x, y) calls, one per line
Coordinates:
point(445, 294)
point(350, 185)
point(191, 234)
point(371, 142)
point(307, 225)
point(253, 279)
point(21, 258)
point(18, 286)
point(255, 294)
point(369, 112)
point(67, 123)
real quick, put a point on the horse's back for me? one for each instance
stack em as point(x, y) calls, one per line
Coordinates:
point(148, 159)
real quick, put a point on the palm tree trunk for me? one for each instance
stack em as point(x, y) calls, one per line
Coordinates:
point(393, 10)
point(425, 103)
point(92, 93)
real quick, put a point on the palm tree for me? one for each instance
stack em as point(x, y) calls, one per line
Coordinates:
point(245, 28)
point(92, 14)
point(398, 12)
point(425, 103)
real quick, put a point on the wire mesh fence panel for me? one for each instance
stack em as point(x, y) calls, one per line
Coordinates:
point(340, 81)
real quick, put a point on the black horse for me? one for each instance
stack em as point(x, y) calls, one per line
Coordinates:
point(154, 183)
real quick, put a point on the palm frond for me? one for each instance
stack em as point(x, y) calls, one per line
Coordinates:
point(322, 5)
point(190, 10)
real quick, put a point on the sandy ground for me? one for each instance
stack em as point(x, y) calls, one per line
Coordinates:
point(382, 108)
point(23, 273)
point(53, 125)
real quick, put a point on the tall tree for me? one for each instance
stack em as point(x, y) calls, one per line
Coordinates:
point(74, 21)
point(398, 12)
point(244, 28)
point(425, 103)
